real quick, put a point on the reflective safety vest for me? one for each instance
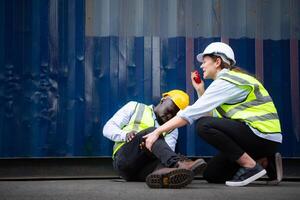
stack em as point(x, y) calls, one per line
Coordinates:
point(257, 109)
point(141, 119)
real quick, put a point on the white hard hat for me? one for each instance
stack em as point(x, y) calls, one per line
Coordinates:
point(219, 49)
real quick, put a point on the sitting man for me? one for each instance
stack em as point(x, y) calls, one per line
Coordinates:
point(162, 167)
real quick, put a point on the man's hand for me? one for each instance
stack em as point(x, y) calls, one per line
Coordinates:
point(130, 135)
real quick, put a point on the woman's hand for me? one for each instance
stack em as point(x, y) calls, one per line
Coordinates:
point(150, 139)
point(199, 87)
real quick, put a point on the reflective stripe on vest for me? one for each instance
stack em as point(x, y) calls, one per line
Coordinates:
point(141, 119)
point(257, 109)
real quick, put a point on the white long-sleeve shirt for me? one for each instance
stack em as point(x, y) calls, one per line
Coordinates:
point(113, 127)
point(218, 93)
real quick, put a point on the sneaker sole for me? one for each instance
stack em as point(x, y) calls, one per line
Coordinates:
point(199, 167)
point(279, 171)
point(175, 179)
point(248, 180)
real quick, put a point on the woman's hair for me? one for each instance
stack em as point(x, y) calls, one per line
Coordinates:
point(227, 66)
point(232, 68)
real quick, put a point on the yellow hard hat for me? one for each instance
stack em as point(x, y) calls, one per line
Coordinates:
point(179, 97)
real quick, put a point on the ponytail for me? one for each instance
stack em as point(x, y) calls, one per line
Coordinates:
point(238, 69)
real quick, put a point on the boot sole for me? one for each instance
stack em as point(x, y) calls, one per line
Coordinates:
point(175, 179)
point(279, 171)
point(199, 167)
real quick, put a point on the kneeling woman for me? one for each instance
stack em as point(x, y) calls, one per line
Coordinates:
point(237, 116)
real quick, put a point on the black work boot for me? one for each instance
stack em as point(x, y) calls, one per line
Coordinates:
point(169, 178)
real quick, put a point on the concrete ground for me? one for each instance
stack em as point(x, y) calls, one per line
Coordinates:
point(117, 189)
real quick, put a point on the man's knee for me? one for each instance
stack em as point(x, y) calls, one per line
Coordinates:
point(146, 131)
point(139, 136)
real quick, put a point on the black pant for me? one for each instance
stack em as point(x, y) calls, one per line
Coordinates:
point(134, 164)
point(232, 138)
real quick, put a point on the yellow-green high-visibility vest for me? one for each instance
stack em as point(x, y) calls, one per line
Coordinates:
point(257, 109)
point(141, 119)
